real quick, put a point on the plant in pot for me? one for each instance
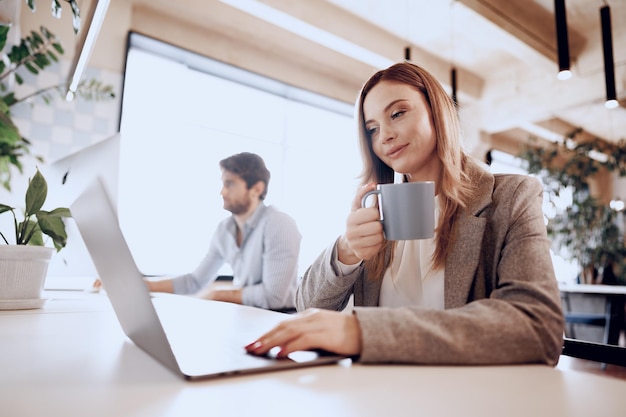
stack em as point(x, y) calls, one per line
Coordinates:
point(24, 256)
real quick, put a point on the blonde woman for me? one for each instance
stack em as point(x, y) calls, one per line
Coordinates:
point(482, 291)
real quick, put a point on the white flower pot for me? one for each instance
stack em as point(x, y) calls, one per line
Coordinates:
point(23, 271)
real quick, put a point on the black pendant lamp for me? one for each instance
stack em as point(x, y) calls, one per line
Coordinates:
point(561, 40)
point(609, 67)
point(453, 84)
point(407, 54)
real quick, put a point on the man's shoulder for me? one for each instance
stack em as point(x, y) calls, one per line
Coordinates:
point(274, 213)
point(274, 217)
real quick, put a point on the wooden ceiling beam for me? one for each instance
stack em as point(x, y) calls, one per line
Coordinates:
point(530, 23)
point(339, 22)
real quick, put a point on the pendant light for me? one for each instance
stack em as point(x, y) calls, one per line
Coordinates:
point(453, 72)
point(453, 84)
point(607, 47)
point(561, 40)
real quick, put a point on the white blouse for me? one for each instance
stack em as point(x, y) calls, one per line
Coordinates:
point(410, 279)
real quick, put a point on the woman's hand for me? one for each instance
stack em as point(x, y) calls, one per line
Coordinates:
point(313, 329)
point(363, 237)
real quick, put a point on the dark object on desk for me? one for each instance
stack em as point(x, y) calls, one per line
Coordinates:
point(224, 278)
point(598, 352)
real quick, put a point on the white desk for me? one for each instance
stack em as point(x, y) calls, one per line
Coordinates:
point(593, 289)
point(71, 358)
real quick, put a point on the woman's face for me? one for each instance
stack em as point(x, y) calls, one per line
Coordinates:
point(398, 120)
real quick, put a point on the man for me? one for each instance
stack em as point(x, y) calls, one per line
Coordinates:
point(260, 243)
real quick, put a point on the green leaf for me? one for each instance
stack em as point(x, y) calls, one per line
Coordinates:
point(55, 228)
point(58, 47)
point(42, 61)
point(30, 68)
point(5, 208)
point(9, 135)
point(31, 234)
point(36, 194)
point(4, 31)
point(52, 56)
point(36, 39)
point(57, 212)
point(36, 237)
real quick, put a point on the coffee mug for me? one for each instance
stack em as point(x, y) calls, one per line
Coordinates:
point(407, 210)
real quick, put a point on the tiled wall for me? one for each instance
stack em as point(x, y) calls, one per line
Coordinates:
point(61, 127)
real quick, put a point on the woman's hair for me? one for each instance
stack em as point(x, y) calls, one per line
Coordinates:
point(454, 189)
point(250, 167)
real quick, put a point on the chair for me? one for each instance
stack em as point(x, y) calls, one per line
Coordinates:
point(612, 319)
point(598, 352)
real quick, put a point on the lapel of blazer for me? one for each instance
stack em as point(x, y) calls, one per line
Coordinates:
point(463, 260)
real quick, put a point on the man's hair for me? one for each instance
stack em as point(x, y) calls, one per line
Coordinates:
point(250, 167)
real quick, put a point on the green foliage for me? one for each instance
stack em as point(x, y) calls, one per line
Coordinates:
point(37, 222)
point(587, 230)
point(35, 52)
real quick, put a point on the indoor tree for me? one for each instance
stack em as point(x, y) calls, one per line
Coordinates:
point(586, 231)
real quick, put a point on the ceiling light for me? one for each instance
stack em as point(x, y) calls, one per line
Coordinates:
point(310, 32)
point(607, 47)
point(564, 75)
point(453, 84)
point(560, 17)
point(87, 38)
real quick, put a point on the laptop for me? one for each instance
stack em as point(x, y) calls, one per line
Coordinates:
point(72, 268)
point(196, 339)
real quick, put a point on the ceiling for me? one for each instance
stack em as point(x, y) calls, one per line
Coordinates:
point(504, 51)
point(510, 45)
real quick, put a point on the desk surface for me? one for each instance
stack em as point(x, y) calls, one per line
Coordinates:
point(71, 358)
point(594, 289)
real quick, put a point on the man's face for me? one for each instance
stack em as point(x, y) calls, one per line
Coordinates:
point(237, 197)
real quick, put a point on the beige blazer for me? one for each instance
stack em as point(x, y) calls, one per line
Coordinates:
point(502, 302)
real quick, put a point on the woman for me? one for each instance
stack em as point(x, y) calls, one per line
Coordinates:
point(482, 291)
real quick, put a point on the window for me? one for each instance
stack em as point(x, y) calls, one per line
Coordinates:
point(183, 113)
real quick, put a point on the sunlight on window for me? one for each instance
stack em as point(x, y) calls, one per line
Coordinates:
point(178, 123)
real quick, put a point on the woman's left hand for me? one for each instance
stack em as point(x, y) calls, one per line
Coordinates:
point(313, 329)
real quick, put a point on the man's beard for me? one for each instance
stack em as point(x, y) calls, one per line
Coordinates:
point(238, 207)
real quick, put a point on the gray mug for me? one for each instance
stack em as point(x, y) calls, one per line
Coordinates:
point(407, 210)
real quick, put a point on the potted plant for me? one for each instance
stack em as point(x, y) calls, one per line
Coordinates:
point(24, 256)
point(587, 231)
point(34, 53)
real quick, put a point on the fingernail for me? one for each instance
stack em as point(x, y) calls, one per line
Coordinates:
point(253, 346)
